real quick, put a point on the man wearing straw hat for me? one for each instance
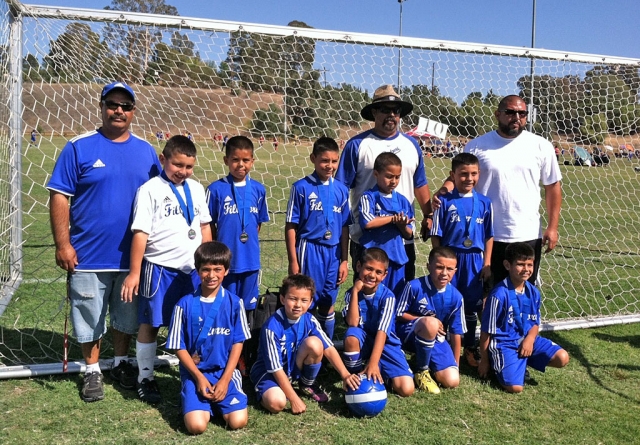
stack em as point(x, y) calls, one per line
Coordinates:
point(356, 164)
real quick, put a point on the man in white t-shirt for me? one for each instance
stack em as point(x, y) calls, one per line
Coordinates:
point(513, 163)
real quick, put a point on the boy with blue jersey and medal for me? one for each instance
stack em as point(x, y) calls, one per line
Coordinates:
point(317, 231)
point(238, 208)
point(509, 340)
point(429, 309)
point(387, 218)
point(170, 220)
point(208, 328)
point(292, 345)
point(464, 222)
point(369, 311)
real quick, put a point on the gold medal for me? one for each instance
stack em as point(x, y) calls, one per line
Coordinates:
point(327, 235)
point(467, 242)
point(244, 237)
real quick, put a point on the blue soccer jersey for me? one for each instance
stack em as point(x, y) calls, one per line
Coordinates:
point(238, 223)
point(377, 312)
point(374, 204)
point(101, 177)
point(356, 167)
point(463, 217)
point(228, 327)
point(420, 297)
point(509, 315)
point(280, 341)
point(308, 200)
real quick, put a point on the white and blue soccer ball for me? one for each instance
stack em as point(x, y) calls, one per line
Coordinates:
point(368, 400)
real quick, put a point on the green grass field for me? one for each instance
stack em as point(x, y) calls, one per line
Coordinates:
point(593, 272)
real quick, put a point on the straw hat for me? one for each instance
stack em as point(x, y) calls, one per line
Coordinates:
point(383, 95)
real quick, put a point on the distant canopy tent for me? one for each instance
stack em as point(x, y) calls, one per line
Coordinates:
point(583, 157)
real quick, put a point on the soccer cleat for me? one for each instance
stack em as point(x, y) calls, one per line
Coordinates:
point(424, 382)
point(149, 392)
point(470, 356)
point(315, 392)
point(125, 374)
point(527, 376)
point(92, 387)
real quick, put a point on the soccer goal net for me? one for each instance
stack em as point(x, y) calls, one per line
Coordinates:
point(292, 84)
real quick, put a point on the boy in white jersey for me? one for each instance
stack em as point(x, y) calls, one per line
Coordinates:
point(208, 329)
point(170, 220)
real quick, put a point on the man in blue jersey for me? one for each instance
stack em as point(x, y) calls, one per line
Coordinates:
point(356, 164)
point(100, 172)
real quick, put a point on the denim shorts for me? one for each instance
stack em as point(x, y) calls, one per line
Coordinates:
point(91, 294)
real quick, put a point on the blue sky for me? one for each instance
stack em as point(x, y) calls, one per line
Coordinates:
point(608, 27)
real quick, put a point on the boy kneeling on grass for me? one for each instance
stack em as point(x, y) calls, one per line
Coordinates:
point(208, 329)
point(509, 340)
point(292, 345)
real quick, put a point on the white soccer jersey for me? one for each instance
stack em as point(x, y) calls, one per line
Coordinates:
point(157, 213)
point(511, 171)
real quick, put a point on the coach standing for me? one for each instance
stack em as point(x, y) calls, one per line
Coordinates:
point(513, 163)
point(356, 164)
point(99, 172)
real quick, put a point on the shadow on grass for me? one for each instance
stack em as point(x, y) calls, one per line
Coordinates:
point(632, 340)
point(575, 353)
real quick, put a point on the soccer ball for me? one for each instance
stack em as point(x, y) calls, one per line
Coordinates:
point(368, 400)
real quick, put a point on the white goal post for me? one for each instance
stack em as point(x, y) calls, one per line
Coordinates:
point(214, 78)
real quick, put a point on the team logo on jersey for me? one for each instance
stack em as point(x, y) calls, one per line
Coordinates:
point(219, 331)
point(314, 204)
point(313, 196)
point(395, 150)
point(423, 300)
point(452, 207)
point(98, 164)
point(166, 200)
point(228, 199)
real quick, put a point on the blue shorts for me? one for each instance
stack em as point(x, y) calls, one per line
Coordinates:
point(91, 293)
point(467, 279)
point(245, 286)
point(235, 400)
point(441, 356)
point(510, 368)
point(160, 289)
point(267, 381)
point(395, 277)
point(321, 263)
point(393, 362)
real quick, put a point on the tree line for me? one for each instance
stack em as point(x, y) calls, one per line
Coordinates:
point(586, 109)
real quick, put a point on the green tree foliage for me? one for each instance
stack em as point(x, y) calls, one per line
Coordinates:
point(136, 42)
point(76, 55)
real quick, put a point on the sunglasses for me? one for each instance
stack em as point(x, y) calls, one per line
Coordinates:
point(385, 110)
point(520, 113)
point(111, 105)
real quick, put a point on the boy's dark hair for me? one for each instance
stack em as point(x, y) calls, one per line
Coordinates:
point(323, 144)
point(297, 282)
point(238, 143)
point(179, 144)
point(519, 251)
point(386, 159)
point(442, 251)
point(374, 254)
point(212, 252)
point(463, 159)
